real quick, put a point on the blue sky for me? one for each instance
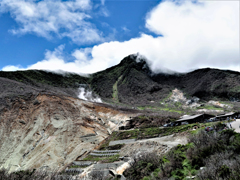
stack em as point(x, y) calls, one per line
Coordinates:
point(85, 36)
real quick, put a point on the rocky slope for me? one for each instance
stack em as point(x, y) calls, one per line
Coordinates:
point(49, 131)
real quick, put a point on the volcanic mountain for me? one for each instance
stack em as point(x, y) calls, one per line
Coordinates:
point(130, 82)
point(44, 124)
point(133, 82)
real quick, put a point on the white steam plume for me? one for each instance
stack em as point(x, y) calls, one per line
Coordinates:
point(88, 95)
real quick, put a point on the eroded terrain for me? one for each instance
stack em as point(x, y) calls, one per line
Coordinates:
point(49, 131)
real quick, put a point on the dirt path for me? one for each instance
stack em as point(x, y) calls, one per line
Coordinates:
point(157, 145)
point(171, 140)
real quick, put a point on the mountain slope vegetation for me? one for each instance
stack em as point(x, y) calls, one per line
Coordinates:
point(132, 82)
point(139, 85)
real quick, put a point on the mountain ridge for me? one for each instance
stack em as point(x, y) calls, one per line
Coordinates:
point(133, 82)
point(141, 86)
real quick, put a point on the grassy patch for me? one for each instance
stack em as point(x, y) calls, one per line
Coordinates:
point(109, 159)
point(115, 90)
point(164, 108)
point(166, 98)
point(131, 134)
point(152, 132)
point(226, 103)
point(171, 110)
point(210, 107)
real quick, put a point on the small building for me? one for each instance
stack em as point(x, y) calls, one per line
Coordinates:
point(194, 118)
point(226, 116)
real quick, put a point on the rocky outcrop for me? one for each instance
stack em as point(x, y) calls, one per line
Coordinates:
point(50, 131)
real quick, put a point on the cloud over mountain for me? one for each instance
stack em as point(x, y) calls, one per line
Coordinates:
point(188, 35)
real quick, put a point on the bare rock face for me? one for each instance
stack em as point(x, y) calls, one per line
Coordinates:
point(51, 131)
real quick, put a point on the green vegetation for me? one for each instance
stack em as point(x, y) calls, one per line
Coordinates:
point(143, 133)
point(156, 131)
point(114, 147)
point(108, 159)
point(142, 165)
point(33, 175)
point(210, 107)
point(105, 145)
point(38, 76)
point(173, 109)
point(215, 86)
point(115, 90)
point(226, 103)
point(235, 89)
point(151, 132)
point(166, 98)
point(217, 152)
point(102, 82)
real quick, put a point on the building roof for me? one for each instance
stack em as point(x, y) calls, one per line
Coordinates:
point(188, 117)
point(227, 114)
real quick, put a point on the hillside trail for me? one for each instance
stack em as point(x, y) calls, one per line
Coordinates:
point(170, 141)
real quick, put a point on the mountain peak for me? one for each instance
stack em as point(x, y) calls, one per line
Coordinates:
point(135, 58)
point(136, 61)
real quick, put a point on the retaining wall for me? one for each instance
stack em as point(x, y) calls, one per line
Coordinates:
point(82, 163)
point(100, 155)
point(106, 151)
point(124, 141)
point(107, 166)
point(74, 170)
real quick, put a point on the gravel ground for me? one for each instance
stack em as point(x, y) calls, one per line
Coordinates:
point(159, 145)
point(235, 125)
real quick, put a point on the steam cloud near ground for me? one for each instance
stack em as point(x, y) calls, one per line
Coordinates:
point(88, 95)
point(189, 35)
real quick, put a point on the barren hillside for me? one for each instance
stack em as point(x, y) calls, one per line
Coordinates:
point(46, 129)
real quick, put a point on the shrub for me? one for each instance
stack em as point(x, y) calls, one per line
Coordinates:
point(143, 164)
point(221, 166)
point(97, 175)
point(32, 175)
point(217, 151)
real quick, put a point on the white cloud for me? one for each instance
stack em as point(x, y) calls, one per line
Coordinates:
point(11, 68)
point(194, 36)
point(54, 61)
point(48, 17)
